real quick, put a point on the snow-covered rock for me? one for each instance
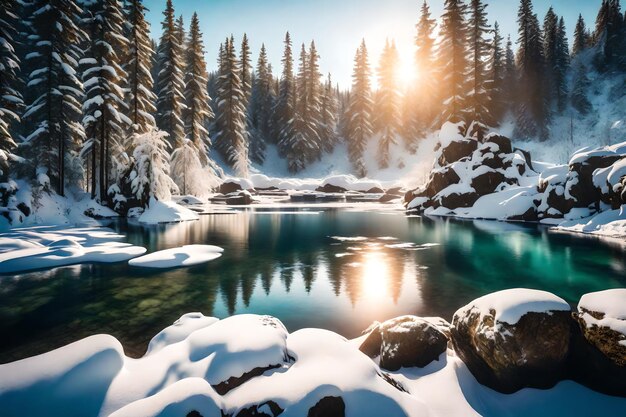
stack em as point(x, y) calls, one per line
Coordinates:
point(514, 338)
point(166, 212)
point(187, 255)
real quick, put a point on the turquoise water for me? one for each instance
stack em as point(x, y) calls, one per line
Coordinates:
point(287, 264)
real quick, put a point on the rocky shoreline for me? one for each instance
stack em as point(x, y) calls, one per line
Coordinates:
point(250, 365)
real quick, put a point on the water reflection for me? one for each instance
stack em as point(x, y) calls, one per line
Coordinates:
point(290, 267)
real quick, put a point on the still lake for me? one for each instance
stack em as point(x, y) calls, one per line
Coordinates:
point(337, 269)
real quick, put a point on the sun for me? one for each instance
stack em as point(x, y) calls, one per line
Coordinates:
point(406, 74)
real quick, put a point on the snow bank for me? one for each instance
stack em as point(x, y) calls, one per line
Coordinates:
point(611, 223)
point(50, 247)
point(511, 305)
point(186, 360)
point(166, 212)
point(187, 255)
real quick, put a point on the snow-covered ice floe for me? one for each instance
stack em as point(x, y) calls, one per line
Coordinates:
point(166, 212)
point(223, 367)
point(26, 249)
point(187, 255)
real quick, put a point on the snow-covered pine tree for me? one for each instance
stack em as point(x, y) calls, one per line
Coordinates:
point(150, 176)
point(170, 83)
point(155, 69)
point(284, 110)
point(188, 172)
point(478, 97)
point(180, 33)
point(422, 103)
point(387, 117)
point(610, 36)
point(581, 36)
point(314, 97)
point(197, 113)
point(52, 117)
point(10, 98)
point(561, 66)
point(328, 111)
point(246, 69)
point(453, 61)
point(359, 112)
point(301, 143)
point(231, 136)
point(140, 97)
point(261, 105)
point(579, 94)
point(104, 120)
point(532, 112)
point(497, 76)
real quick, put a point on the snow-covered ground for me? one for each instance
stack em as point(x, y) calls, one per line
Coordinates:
point(190, 361)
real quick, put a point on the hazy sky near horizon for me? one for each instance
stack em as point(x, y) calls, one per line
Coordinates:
point(337, 26)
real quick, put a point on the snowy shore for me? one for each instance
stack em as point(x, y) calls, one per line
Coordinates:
point(250, 365)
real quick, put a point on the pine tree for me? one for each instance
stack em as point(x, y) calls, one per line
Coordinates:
point(550, 33)
point(328, 111)
point(187, 170)
point(284, 111)
point(104, 120)
point(54, 132)
point(578, 95)
point(478, 99)
point(170, 83)
point(453, 61)
point(510, 93)
point(140, 97)
point(359, 112)
point(314, 97)
point(10, 98)
point(610, 36)
point(231, 137)
point(497, 75)
point(561, 66)
point(387, 118)
point(421, 104)
point(197, 113)
point(246, 72)
point(261, 105)
point(532, 113)
point(581, 36)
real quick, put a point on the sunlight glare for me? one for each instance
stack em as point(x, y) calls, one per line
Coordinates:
point(375, 275)
point(406, 73)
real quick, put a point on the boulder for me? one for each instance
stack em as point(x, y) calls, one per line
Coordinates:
point(514, 339)
point(487, 182)
point(372, 343)
point(457, 150)
point(266, 409)
point(530, 215)
point(598, 357)
point(229, 187)
point(503, 142)
point(456, 200)
point(410, 341)
point(328, 407)
point(441, 179)
point(580, 186)
point(375, 190)
point(329, 188)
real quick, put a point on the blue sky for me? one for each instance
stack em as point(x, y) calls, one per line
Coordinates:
point(336, 25)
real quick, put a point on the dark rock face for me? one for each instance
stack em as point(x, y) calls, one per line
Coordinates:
point(375, 190)
point(488, 182)
point(580, 179)
point(440, 179)
point(329, 188)
point(456, 200)
point(259, 410)
point(233, 382)
point(228, 187)
point(503, 142)
point(531, 353)
point(24, 209)
point(328, 407)
point(372, 343)
point(457, 150)
point(410, 341)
